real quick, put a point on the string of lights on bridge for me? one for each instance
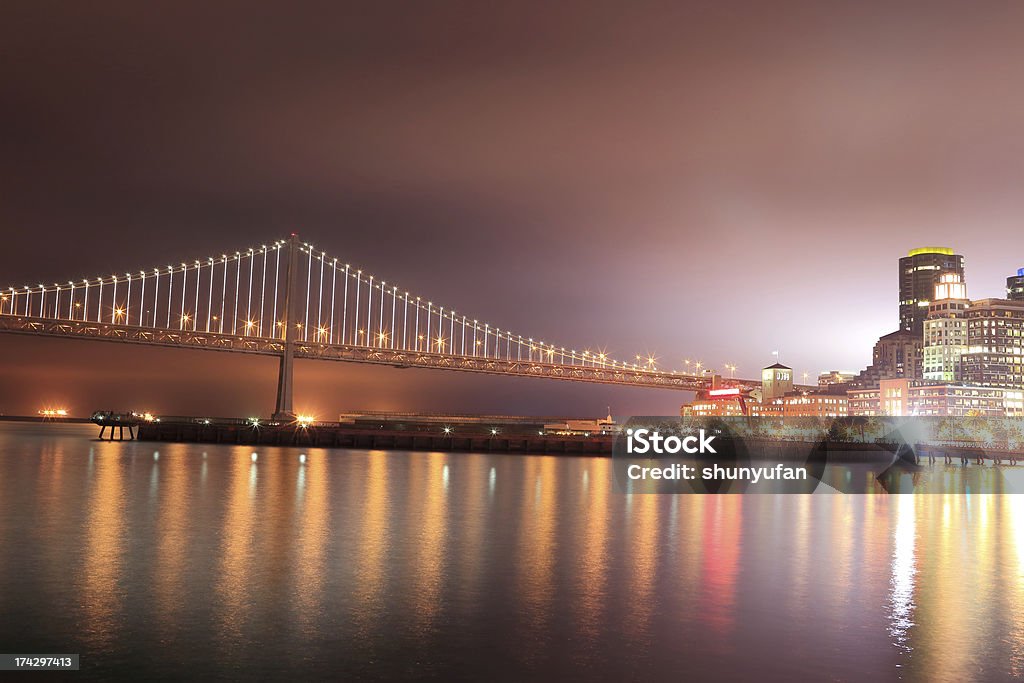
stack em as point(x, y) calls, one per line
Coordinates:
point(242, 293)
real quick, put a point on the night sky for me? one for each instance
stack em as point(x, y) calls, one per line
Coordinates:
point(710, 181)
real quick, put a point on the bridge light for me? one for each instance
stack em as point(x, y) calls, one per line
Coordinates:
point(447, 430)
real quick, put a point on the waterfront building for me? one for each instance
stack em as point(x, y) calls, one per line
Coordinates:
point(919, 271)
point(775, 398)
point(904, 397)
point(945, 329)
point(995, 344)
point(795, 404)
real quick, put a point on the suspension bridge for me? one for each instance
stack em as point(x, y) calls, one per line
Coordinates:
point(290, 300)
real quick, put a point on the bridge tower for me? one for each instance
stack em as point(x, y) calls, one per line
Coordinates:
point(284, 410)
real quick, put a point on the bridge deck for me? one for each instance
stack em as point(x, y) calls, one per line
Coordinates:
point(211, 341)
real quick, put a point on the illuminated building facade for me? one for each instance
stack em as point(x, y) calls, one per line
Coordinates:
point(796, 404)
point(945, 329)
point(995, 344)
point(776, 398)
point(919, 272)
point(901, 397)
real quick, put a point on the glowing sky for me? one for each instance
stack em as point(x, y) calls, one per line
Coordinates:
point(709, 181)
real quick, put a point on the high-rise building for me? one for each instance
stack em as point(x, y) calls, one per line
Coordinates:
point(945, 329)
point(919, 271)
point(995, 344)
point(1015, 286)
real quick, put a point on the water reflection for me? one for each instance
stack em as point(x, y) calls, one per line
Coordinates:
point(371, 549)
point(172, 514)
point(105, 538)
point(904, 567)
point(311, 529)
point(408, 564)
point(234, 589)
point(535, 557)
point(427, 515)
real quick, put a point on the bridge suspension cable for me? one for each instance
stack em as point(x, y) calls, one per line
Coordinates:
point(242, 294)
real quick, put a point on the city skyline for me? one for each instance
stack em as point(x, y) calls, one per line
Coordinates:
point(130, 309)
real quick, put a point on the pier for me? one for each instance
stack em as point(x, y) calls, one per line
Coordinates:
point(522, 438)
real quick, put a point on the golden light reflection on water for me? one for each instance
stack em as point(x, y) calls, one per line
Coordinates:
point(234, 589)
point(373, 542)
point(473, 493)
point(172, 519)
point(926, 587)
point(311, 527)
point(429, 479)
point(537, 544)
point(106, 534)
point(643, 550)
point(591, 531)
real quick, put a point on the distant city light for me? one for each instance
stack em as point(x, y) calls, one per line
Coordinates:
point(53, 412)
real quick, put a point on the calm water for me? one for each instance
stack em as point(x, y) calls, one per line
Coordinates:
point(452, 566)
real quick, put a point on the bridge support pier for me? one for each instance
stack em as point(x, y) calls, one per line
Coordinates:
point(283, 410)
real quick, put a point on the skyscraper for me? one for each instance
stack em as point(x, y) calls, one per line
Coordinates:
point(919, 272)
point(1015, 286)
point(945, 329)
